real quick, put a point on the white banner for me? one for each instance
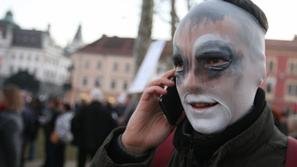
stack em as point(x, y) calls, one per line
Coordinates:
point(148, 67)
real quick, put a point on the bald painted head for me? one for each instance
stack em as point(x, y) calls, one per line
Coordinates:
point(219, 57)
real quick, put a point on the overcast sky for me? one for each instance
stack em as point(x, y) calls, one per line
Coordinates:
point(121, 17)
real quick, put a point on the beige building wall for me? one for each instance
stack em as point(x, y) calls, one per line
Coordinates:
point(111, 73)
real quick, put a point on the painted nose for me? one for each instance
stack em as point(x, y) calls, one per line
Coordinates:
point(191, 82)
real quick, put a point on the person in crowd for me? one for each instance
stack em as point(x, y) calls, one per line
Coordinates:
point(51, 114)
point(11, 127)
point(219, 59)
point(91, 124)
point(62, 133)
point(30, 115)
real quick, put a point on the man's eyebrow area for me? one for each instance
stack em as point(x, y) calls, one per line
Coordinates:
point(213, 49)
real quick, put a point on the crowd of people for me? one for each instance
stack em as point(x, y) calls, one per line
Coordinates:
point(24, 118)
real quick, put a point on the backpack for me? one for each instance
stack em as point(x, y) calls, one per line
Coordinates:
point(165, 151)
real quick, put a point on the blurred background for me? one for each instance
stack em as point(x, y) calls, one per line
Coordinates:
point(62, 56)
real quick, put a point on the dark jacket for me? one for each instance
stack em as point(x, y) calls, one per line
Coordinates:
point(261, 144)
point(11, 127)
point(91, 125)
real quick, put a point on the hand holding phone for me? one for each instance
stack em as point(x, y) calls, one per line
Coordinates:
point(171, 104)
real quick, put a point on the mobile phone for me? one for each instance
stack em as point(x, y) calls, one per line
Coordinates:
point(171, 105)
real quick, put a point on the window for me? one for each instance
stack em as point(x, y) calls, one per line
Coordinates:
point(269, 88)
point(292, 90)
point(113, 84)
point(127, 67)
point(125, 85)
point(84, 81)
point(271, 65)
point(292, 66)
point(98, 65)
point(87, 64)
point(115, 66)
point(97, 82)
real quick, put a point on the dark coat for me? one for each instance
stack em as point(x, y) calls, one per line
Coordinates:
point(91, 125)
point(262, 144)
point(259, 145)
point(11, 127)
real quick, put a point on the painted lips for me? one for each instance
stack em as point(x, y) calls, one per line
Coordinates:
point(200, 102)
point(203, 105)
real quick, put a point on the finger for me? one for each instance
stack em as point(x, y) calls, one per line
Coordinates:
point(162, 82)
point(168, 74)
point(153, 91)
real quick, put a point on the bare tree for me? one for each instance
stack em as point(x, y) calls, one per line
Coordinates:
point(174, 18)
point(143, 39)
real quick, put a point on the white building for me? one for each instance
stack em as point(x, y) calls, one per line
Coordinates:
point(33, 51)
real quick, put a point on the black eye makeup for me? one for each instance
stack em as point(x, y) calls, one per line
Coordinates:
point(214, 56)
point(178, 62)
point(216, 61)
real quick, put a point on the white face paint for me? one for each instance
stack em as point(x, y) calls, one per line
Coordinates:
point(203, 117)
point(219, 59)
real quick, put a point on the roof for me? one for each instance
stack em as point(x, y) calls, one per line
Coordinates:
point(4, 25)
point(110, 45)
point(27, 38)
point(281, 45)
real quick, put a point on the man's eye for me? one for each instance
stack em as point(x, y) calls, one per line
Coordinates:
point(216, 63)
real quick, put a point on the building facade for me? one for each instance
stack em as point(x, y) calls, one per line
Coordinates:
point(281, 82)
point(107, 64)
point(33, 51)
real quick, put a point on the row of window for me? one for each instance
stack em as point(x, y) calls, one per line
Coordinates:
point(22, 56)
point(36, 58)
point(291, 66)
point(115, 66)
point(113, 83)
point(291, 88)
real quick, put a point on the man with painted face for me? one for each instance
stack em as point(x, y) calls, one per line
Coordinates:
point(219, 58)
